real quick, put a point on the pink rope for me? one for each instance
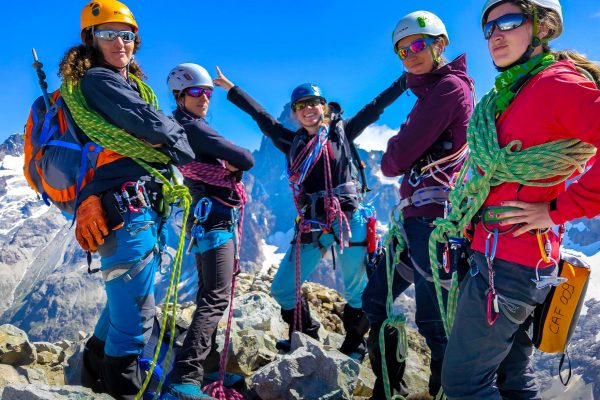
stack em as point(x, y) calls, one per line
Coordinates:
point(219, 176)
point(331, 204)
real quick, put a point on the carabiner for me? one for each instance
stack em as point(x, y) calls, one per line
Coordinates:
point(202, 209)
point(125, 195)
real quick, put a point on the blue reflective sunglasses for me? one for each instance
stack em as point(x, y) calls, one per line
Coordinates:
point(110, 35)
point(504, 23)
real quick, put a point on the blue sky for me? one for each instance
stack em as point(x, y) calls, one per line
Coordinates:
point(266, 47)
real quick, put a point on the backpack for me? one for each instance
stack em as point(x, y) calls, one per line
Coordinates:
point(554, 320)
point(59, 161)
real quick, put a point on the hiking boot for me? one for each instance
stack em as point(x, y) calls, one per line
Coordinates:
point(185, 391)
point(93, 356)
point(310, 326)
point(356, 326)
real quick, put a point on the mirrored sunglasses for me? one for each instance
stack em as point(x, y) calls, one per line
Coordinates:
point(415, 47)
point(110, 35)
point(504, 23)
point(299, 105)
point(198, 92)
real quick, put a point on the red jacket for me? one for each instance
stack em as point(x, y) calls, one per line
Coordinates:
point(558, 103)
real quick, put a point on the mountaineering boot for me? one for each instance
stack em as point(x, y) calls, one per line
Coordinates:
point(93, 355)
point(185, 391)
point(122, 376)
point(356, 325)
point(395, 369)
point(310, 326)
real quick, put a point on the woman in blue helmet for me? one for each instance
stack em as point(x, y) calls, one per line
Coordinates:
point(213, 178)
point(328, 197)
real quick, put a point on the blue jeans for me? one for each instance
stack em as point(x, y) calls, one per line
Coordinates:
point(131, 253)
point(351, 263)
point(427, 316)
point(493, 362)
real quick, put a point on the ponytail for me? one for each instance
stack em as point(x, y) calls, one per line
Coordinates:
point(582, 63)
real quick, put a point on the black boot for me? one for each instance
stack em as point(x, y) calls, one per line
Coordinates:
point(395, 368)
point(93, 355)
point(310, 326)
point(122, 376)
point(356, 326)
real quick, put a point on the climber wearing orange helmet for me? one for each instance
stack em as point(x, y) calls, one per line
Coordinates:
point(121, 210)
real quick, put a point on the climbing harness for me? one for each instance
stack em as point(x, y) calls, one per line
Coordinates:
point(318, 147)
point(174, 194)
point(489, 165)
point(218, 175)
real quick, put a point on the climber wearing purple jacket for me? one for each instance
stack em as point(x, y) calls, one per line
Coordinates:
point(427, 151)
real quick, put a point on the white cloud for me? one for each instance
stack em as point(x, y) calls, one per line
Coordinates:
point(375, 137)
point(597, 15)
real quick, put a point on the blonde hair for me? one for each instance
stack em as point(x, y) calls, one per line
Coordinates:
point(78, 59)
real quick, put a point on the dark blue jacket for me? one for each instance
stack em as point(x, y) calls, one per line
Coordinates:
point(120, 103)
point(209, 147)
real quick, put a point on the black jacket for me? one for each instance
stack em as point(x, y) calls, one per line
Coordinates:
point(120, 103)
point(209, 147)
point(341, 132)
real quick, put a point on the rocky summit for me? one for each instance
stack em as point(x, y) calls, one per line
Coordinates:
point(311, 370)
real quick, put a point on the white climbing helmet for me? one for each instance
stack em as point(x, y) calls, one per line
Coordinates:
point(553, 5)
point(187, 75)
point(419, 23)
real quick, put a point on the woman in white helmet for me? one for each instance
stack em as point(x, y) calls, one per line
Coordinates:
point(217, 195)
point(541, 100)
point(436, 130)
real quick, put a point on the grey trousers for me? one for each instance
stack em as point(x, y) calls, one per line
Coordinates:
point(198, 354)
point(491, 362)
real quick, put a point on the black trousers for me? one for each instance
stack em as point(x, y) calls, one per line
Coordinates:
point(198, 354)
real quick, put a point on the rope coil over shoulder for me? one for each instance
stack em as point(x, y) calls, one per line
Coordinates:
point(298, 170)
point(489, 165)
point(109, 136)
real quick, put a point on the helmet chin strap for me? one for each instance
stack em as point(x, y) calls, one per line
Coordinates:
point(535, 42)
point(436, 58)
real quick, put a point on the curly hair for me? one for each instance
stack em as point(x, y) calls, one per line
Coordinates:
point(78, 59)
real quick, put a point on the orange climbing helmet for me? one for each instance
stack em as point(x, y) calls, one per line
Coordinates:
point(98, 12)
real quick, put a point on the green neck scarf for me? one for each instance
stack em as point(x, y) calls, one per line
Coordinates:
point(506, 80)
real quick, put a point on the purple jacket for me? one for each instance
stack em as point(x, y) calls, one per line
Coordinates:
point(437, 121)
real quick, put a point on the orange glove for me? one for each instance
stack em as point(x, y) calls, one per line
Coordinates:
point(91, 224)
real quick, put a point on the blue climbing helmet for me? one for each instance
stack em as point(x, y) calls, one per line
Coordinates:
point(306, 90)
